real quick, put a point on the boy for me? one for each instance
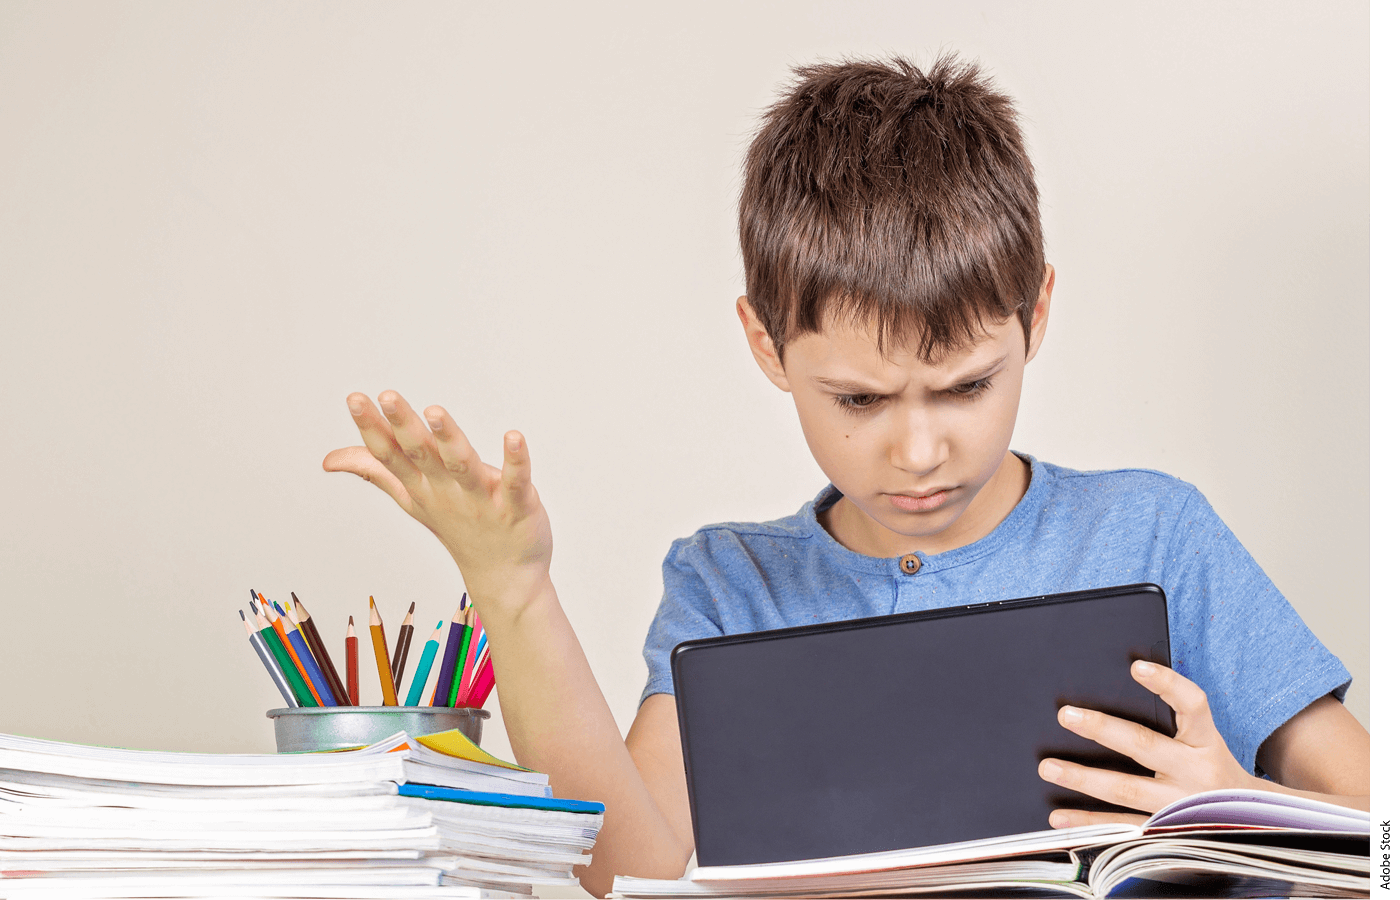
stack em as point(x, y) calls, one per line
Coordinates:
point(896, 287)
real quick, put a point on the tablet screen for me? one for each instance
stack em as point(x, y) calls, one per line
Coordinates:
point(906, 730)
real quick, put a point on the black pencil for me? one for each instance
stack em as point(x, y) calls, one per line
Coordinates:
point(401, 647)
point(318, 650)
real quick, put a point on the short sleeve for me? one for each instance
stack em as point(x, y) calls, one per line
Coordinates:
point(686, 612)
point(1237, 637)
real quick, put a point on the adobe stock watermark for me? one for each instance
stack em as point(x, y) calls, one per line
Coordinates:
point(1383, 872)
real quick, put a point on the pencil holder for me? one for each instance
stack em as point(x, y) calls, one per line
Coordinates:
point(343, 727)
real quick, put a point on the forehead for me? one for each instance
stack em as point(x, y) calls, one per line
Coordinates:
point(854, 346)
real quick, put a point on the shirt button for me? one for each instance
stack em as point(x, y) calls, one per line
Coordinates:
point(910, 564)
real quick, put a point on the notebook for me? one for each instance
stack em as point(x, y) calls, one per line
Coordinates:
point(906, 730)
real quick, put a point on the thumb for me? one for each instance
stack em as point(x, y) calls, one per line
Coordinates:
point(515, 473)
point(359, 461)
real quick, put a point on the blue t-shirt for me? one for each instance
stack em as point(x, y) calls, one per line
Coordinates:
point(1232, 632)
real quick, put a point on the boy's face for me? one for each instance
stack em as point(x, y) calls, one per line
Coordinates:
point(919, 451)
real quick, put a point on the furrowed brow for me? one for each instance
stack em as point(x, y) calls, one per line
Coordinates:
point(981, 371)
point(846, 387)
point(842, 386)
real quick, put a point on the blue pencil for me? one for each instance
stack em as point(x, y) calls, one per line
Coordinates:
point(308, 660)
point(425, 663)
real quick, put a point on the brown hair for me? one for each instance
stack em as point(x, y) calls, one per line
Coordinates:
point(879, 194)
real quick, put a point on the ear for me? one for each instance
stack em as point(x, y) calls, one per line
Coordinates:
point(1041, 314)
point(764, 353)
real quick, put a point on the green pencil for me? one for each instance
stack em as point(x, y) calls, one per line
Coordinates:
point(461, 659)
point(279, 652)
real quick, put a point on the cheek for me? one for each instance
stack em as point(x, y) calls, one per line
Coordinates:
point(837, 444)
point(995, 425)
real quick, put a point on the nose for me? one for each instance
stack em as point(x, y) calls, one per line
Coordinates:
point(919, 443)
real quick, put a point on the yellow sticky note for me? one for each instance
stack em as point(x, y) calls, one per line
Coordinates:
point(454, 743)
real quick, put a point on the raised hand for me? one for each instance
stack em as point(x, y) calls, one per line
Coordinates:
point(490, 520)
point(1197, 759)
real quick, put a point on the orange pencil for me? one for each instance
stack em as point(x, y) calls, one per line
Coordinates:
point(381, 656)
point(352, 663)
point(281, 630)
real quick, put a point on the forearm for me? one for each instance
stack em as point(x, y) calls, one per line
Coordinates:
point(492, 522)
point(559, 722)
point(1353, 801)
point(1322, 753)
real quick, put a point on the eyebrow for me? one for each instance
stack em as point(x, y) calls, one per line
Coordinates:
point(854, 387)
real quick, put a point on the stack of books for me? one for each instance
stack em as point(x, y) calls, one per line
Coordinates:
point(1215, 844)
point(433, 817)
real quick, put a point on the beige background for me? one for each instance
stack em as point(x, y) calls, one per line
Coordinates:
point(218, 219)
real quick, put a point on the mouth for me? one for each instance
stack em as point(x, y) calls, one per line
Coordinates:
point(920, 502)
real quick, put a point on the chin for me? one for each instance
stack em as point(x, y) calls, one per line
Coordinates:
point(919, 524)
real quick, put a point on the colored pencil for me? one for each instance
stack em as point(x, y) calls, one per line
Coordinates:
point(318, 650)
point(481, 644)
point(401, 648)
point(300, 688)
point(284, 687)
point(381, 656)
point(281, 629)
point(352, 663)
point(461, 675)
point(425, 665)
point(478, 654)
point(316, 676)
point(481, 688)
point(474, 651)
point(449, 654)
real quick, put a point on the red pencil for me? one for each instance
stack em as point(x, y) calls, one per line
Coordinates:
point(485, 681)
point(352, 663)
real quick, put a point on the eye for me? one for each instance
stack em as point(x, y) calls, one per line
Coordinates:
point(972, 388)
point(858, 402)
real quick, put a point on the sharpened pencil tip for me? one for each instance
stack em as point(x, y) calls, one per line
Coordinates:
point(412, 606)
point(241, 616)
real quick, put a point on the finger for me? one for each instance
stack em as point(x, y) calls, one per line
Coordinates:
point(412, 436)
point(380, 441)
point(1121, 789)
point(1194, 725)
point(458, 456)
point(1073, 818)
point(359, 461)
point(515, 473)
point(1138, 742)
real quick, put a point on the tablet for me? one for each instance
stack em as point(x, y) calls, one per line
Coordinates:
point(906, 730)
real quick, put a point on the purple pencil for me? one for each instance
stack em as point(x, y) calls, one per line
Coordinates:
point(449, 652)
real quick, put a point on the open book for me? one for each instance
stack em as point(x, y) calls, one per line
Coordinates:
point(1219, 843)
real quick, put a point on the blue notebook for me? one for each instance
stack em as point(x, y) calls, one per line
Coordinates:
point(512, 801)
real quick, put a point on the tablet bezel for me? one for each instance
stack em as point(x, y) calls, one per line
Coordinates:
point(746, 830)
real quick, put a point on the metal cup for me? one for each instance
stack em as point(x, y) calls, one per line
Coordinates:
point(343, 727)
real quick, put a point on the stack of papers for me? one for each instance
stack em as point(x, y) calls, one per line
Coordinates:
point(432, 817)
point(1218, 843)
